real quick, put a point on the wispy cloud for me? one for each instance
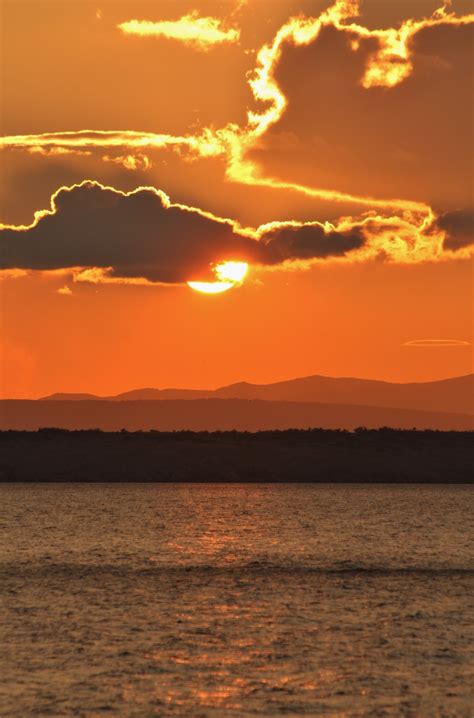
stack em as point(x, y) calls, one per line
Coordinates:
point(431, 343)
point(65, 291)
point(200, 32)
point(130, 162)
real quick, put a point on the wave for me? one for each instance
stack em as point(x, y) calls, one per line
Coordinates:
point(343, 569)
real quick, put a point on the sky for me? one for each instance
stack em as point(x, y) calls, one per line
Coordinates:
point(326, 147)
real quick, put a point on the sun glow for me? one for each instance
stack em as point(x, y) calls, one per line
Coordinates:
point(231, 271)
point(229, 274)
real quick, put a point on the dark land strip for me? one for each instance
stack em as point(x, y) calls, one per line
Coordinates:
point(313, 456)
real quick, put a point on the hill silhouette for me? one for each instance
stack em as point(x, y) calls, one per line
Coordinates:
point(453, 395)
point(217, 415)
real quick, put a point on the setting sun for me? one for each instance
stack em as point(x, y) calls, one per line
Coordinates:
point(211, 287)
point(229, 275)
point(231, 271)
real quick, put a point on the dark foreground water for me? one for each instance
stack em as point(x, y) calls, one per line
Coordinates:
point(236, 600)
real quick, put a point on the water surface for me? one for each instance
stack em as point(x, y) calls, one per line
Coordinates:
point(207, 600)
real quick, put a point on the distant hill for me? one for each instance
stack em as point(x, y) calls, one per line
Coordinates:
point(71, 397)
point(160, 394)
point(451, 395)
point(448, 395)
point(135, 395)
point(217, 415)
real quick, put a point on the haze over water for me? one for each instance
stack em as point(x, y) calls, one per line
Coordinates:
point(236, 600)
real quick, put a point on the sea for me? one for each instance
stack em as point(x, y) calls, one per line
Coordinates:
point(215, 600)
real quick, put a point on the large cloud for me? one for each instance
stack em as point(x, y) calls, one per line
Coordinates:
point(142, 235)
point(340, 111)
point(410, 140)
point(137, 234)
point(459, 228)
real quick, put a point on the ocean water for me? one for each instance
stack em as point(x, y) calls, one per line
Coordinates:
point(204, 600)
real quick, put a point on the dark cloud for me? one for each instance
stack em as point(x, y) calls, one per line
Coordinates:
point(307, 242)
point(376, 142)
point(459, 228)
point(138, 235)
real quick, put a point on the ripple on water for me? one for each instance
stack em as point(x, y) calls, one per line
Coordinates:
point(208, 600)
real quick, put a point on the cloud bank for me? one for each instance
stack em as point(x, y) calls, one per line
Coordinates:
point(141, 236)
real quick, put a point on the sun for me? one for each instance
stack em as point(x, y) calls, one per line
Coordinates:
point(210, 287)
point(229, 274)
point(231, 271)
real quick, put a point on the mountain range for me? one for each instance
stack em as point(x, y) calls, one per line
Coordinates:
point(308, 402)
point(453, 395)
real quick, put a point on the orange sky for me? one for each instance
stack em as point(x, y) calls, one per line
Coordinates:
point(348, 128)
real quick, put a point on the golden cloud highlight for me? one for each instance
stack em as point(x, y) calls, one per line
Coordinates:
point(389, 65)
point(191, 29)
point(65, 291)
point(230, 142)
point(130, 162)
point(104, 275)
point(204, 145)
point(13, 274)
